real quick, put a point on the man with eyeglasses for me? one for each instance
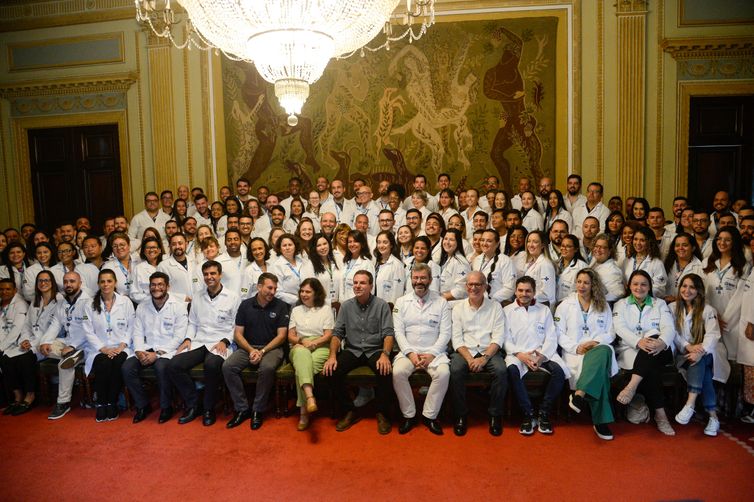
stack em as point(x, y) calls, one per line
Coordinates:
point(414, 221)
point(558, 230)
point(159, 329)
point(166, 201)
point(367, 207)
point(700, 223)
point(593, 207)
point(151, 216)
point(478, 336)
point(65, 339)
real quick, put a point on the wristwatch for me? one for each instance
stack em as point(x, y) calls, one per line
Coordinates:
point(262, 351)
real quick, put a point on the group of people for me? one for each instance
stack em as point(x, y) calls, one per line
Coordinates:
point(447, 284)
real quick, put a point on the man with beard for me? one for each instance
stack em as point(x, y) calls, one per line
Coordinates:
point(202, 214)
point(243, 188)
point(294, 190)
point(558, 230)
point(327, 223)
point(179, 269)
point(700, 223)
point(545, 187)
point(524, 185)
point(573, 197)
point(234, 262)
point(323, 189)
point(721, 204)
point(679, 204)
point(337, 204)
point(151, 216)
point(593, 207)
point(383, 199)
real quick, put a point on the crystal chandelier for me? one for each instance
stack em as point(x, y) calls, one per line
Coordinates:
point(289, 41)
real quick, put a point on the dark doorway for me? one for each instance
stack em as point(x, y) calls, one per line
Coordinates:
point(75, 172)
point(721, 148)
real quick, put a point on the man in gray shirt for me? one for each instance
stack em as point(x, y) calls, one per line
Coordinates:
point(365, 324)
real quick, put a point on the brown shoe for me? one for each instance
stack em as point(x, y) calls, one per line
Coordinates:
point(303, 423)
point(383, 424)
point(347, 421)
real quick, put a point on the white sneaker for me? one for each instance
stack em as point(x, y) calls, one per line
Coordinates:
point(366, 394)
point(712, 427)
point(685, 415)
point(748, 419)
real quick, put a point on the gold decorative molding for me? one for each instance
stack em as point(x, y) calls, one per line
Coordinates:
point(140, 100)
point(206, 124)
point(23, 15)
point(660, 93)
point(686, 91)
point(71, 85)
point(631, 96)
point(60, 42)
point(600, 147)
point(708, 47)
point(21, 127)
point(162, 113)
point(187, 104)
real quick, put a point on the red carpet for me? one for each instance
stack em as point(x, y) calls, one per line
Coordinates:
point(78, 459)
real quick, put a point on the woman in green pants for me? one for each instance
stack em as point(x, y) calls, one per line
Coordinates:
point(584, 324)
point(309, 334)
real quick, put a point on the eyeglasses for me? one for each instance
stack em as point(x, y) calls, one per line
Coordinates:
point(43, 281)
point(474, 285)
point(66, 251)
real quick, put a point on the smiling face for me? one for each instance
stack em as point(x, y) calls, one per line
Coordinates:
point(354, 246)
point(524, 293)
point(683, 249)
point(687, 291)
point(584, 285)
point(421, 251)
point(567, 250)
point(639, 287)
point(534, 245)
point(258, 251)
point(420, 281)
point(107, 283)
point(211, 278)
point(306, 295)
point(383, 245)
point(151, 251)
point(449, 243)
point(488, 243)
point(362, 287)
point(640, 243)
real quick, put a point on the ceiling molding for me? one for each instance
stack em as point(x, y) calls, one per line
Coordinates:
point(77, 85)
point(708, 47)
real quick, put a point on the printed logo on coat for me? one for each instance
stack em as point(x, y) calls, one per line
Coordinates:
point(273, 315)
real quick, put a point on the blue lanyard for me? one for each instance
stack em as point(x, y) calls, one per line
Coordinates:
point(109, 326)
point(125, 270)
point(298, 274)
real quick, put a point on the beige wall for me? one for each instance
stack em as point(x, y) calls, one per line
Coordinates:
point(165, 149)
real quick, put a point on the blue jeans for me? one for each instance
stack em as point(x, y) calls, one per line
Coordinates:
point(554, 386)
point(699, 381)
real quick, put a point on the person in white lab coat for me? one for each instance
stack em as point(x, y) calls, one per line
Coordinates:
point(644, 254)
point(531, 344)
point(159, 328)
point(610, 274)
point(322, 266)
point(108, 327)
point(18, 366)
point(357, 257)
point(584, 324)
point(683, 258)
point(180, 268)
point(422, 324)
point(390, 275)
point(150, 259)
point(698, 334)
point(568, 265)
point(496, 267)
point(745, 356)
point(454, 267)
point(288, 267)
point(258, 256)
point(644, 327)
point(208, 341)
point(538, 266)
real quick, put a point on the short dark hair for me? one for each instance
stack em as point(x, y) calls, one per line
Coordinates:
point(266, 276)
point(366, 273)
point(319, 291)
point(160, 275)
point(212, 263)
point(574, 177)
point(527, 280)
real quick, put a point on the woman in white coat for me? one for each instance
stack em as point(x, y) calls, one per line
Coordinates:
point(569, 264)
point(531, 218)
point(531, 344)
point(698, 334)
point(585, 333)
point(46, 259)
point(258, 255)
point(725, 274)
point(322, 266)
point(644, 254)
point(496, 267)
point(610, 274)
point(644, 327)
point(108, 328)
point(454, 267)
point(151, 256)
point(539, 267)
point(357, 257)
point(390, 274)
point(556, 210)
point(745, 356)
point(289, 268)
point(422, 253)
point(684, 257)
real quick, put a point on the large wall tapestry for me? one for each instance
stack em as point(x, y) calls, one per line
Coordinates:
point(471, 98)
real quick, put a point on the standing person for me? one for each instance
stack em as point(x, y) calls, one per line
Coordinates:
point(365, 324)
point(150, 258)
point(584, 324)
point(179, 269)
point(65, 339)
point(645, 255)
point(497, 268)
point(593, 207)
point(121, 262)
point(109, 329)
point(389, 269)
point(531, 217)
point(207, 341)
point(574, 197)
point(259, 262)
point(556, 210)
point(261, 328)
point(18, 372)
point(683, 258)
point(604, 264)
point(151, 216)
point(14, 263)
point(309, 333)
point(745, 355)
point(357, 257)
point(644, 327)
point(288, 267)
point(531, 344)
point(46, 259)
point(422, 329)
point(322, 266)
point(159, 328)
point(569, 264)
point(698, 331)
point(233, 261)
point(454, 267)
point(68, 262)
point(538, 266)
point(478, 336)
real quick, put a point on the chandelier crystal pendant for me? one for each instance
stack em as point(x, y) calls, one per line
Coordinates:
point(289, 41)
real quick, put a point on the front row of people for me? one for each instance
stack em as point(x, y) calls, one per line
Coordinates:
point(585, 342)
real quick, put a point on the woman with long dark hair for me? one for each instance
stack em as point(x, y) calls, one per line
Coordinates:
point(684, 257)
point(46, 255)
point(556, 210)
point(357, 258)
point(389, 269)
point(322, 266)
point(15, 263)
point(454, 267)
point(569, 264)
point(496, 267)
point(645, 255)
point(288, 267)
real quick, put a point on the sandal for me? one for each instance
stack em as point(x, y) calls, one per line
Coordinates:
point(311, 405)
point(303, 423)
point(663, 425)
point(626, 395)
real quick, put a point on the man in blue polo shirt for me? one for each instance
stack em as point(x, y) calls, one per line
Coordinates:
point(261, 329)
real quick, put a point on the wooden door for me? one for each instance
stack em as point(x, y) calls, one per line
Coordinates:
point(721, 146)
point(75, 172)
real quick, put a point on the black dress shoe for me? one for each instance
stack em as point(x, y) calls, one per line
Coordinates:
point(165, 415)
point(208, 418)
point(141, 413)
point(238, 419)
point(190, 415)
point(256, 420)
point(407, 425)
point(459, 428)
point(433, 425)
point(496, 426)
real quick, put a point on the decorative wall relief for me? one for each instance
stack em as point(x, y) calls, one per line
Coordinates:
point(471, 98)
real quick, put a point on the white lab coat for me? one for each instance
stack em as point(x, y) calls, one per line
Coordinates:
point(573, 330)
point(580, 213)
point(724, 291)
point(675, 274)
point(422, 329)
point(542, 271)
point(38, 319)
point(533, 221)
point(89, 275)
point(233, 271)
point(19, 276)
point(630, 325)
point(101, 332)
point(183, 283)
point(745, 353)
point(477, 329)
point(124, 275)
point(612, 278)
point(162, 330)
point(349, 270)
point(30, 280)
point(289, 278)
point(720, 365)
point(562, 214)
point(212, 319)
point(12, 318)
point(435, 286)
point(330, 279)
point(567, 278)
point(453, 276)
point(67, 322)
point(250, 279)
point(503, 279)
point(390, 283)
point(141, 221)
point(139, 292)
point(530, 329)
point(656, 270)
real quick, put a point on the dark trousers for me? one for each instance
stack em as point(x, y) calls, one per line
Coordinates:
point(458, 371)
point(348, 361)
point(236, 363)
point(108, 379)
point(20, 372)
point(131, 372)
point(179, 370)
point(554, 386)
point(650, 368)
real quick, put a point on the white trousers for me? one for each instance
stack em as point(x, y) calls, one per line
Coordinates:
point(65, 377)
point(402, 370)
